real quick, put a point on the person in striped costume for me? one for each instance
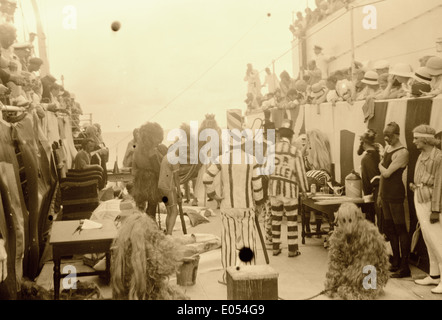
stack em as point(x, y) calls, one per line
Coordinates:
point(285, 182)
point(241, 191)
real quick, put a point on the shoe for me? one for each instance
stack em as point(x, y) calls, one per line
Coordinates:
point(277, 252)
point(401, 273)
point(394, 268)
point(428, 281)
point(438, 289)
point(294, 254)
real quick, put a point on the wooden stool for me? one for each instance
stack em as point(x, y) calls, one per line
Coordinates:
point(65, 242)
point(252, 283)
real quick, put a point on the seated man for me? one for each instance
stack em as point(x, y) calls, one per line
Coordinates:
point(83, 158)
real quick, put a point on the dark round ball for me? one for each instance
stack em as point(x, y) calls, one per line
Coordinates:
point(269, 14)
point(246, 254)
point(116, 25)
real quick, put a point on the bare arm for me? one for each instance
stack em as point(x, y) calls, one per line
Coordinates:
point(399, 160)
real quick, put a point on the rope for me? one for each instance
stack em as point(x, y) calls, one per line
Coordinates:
point(317, 295)
point(391, 29)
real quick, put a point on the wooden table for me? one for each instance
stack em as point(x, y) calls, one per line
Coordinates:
point(65, 242)
point(328, 210)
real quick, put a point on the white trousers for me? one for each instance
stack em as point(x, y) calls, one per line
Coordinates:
point(238, 232)
point(432, 234)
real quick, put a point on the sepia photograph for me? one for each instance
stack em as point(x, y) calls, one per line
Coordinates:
point(223, 155)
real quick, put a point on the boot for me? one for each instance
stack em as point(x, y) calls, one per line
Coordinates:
point(394, 242)
point(404, 270)
point(276, 249)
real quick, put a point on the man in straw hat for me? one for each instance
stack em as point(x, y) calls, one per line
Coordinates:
point(399, 82)
point(371, 88)
point(241, 182)
point(285, 182)
point(427, 188)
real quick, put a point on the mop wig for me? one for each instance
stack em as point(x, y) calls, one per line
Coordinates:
point(319, 152)
point(355, 244)
point(143, 258)
point(426, 129)
point(150, 135)
point(147, 159)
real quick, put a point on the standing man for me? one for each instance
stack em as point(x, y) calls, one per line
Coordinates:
point(271, 81)
point(241, 191)
point(370, 174)
point(254, 82)
point(392, 196)
point(427, 189)
point(83, 158)
point(286, 181)
point(322, 61)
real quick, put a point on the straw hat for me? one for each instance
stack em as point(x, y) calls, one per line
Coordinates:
point(402, 70)
point(422, 75)
point(371, 78)
point(434, 66)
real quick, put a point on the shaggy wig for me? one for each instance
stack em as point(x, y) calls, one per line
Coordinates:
point(146, 166)
point(355, 244)
point(319, 152)
point(143, 258)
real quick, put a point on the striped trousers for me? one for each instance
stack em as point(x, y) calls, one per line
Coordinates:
point(238, 232)
point(290, 207)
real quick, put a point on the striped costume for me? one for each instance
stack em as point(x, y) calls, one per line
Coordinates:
point(289, 176)
point(241, 190)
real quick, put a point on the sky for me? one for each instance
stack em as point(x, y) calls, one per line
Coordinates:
point(172, 61)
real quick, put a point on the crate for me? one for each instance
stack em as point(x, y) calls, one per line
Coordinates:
point(258, 282)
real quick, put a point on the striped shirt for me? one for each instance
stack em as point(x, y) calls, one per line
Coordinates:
point(318, 177)
point(241, 183)
point(289, 175)
point(428, 179)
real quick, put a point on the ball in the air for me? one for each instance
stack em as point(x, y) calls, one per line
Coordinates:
point(116, 25)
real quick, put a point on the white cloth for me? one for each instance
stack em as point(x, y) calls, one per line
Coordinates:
point(272, 82)
point(322, 62)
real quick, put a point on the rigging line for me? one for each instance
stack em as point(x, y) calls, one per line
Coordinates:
point(198, 79)
point(310, 35)
point(367, 4)
point(388, 30)
point(207, 71)
point(24, 22)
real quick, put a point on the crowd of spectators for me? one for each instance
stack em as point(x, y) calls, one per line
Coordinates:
point(378, 81)
point(323, 9)
point(22, 83)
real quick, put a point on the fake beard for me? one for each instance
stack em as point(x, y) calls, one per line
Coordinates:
point(360, 150)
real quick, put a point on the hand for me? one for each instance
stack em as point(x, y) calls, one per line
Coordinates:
point(379, 201)
point(3, 261)
point(4, 89)
point(217, 198)
point(434, 217)
point(391, 79)
point(12, 66)
point(412, 186)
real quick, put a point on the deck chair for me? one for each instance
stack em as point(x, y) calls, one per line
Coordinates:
point(79, 193)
